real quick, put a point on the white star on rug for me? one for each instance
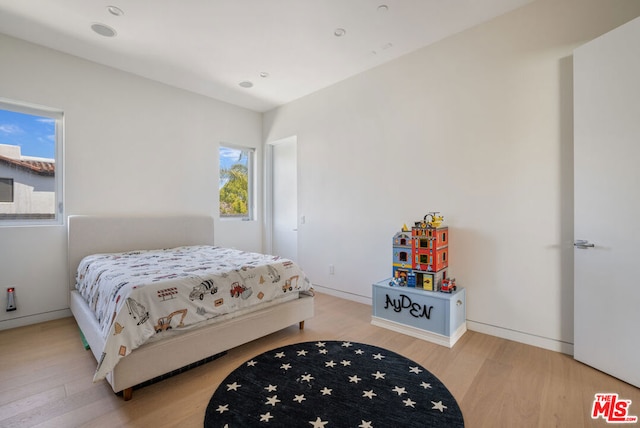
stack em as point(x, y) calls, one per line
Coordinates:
point(425, 385)
point(415, 370)
point(365, 424)
point(326, 391)
point(280, 355)
point(299, 398)
point(378, 356)
point(354, 379)
point(345, 363)
point(409, 403)
point(271, 388)
point(359, 352)
point(378, 375)
point(307, 377)
point(233, 386)
point(320, 344)
point(323, 351)
point(272, 400)
point(223, 409)
point(438, 406)
point(302, 352)
point(369, 394)
point(266, 417)
point(399, 390)
point(330, 364)
point(285, 366)
point(318, 423)
point(346, 344)
point(252, 363)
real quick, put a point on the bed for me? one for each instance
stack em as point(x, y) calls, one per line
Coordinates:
point(167, 350)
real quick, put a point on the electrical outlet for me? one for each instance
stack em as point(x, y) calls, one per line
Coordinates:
point(11, 299)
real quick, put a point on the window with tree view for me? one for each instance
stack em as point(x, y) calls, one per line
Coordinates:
point(30, 164)
point(236, 178)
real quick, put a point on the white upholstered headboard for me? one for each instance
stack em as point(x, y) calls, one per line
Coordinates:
point(89, 234)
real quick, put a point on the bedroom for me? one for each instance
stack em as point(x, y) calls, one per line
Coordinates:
point(465, 83)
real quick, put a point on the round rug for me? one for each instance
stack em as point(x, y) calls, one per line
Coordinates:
point(332, 384)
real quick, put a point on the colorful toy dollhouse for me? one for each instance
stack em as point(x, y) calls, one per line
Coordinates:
point(421, 255)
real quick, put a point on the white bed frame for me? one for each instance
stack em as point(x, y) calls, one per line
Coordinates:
point(101, 234)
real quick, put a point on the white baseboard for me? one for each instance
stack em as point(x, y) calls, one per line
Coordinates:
point(505, 333)
point(34, 319)
point(518, 336)
point(342, 294)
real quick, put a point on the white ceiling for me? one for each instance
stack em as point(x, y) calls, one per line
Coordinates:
point(210, 46)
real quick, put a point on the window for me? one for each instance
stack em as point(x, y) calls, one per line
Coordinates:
point(6, 189)
point(236, 182)
point(30, 164)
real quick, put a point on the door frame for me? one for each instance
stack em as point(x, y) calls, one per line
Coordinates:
point(268, 203)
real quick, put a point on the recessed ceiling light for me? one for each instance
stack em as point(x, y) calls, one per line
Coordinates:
point(383, 8)
point(115, 10)
point(339, 32)
point(103, 30)
point(246, 84)
point(264, 74)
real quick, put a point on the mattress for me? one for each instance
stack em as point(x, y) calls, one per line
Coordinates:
point(138, 295)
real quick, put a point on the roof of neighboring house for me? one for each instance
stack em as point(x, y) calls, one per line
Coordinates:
point(35, 166)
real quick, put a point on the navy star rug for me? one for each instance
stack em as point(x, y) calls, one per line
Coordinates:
point(329, 385)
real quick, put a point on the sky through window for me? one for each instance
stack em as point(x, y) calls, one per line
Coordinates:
point(35, 135)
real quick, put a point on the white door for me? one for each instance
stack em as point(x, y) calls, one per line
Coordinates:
point(607, 203)
point(284, 167)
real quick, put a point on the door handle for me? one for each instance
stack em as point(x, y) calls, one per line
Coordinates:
point(583, 244)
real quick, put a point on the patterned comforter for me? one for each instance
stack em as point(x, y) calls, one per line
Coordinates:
point(135, 295)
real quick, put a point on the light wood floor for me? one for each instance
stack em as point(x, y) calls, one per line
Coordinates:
point(45, 377)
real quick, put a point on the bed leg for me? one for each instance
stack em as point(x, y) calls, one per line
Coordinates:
point(301, 325)
point(127, 394)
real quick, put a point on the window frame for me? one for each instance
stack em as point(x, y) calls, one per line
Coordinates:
point(251, 186)
point(58, 116)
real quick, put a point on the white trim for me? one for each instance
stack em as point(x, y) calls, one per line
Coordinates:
point(518, 336)
point(30, 108)
point(34, 319)
point(343, 295)
point(268, 199)
point(438, 339)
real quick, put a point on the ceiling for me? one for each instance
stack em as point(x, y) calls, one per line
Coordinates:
point(212, 46)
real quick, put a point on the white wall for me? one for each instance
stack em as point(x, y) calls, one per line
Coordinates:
point(132, 146)
point(493, 103)
point(478, 127)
